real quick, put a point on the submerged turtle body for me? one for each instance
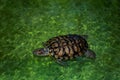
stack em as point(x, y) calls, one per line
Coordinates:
point(66, 47)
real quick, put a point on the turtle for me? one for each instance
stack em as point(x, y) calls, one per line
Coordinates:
point(66, 47)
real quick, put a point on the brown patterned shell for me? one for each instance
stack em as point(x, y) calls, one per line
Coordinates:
point(67, 46)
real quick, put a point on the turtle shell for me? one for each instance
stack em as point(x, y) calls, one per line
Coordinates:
point(67, 46)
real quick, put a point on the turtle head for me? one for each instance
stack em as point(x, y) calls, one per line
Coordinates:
point(41, 52)
point(90, 54)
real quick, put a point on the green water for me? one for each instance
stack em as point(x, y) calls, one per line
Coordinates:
point(25, 24)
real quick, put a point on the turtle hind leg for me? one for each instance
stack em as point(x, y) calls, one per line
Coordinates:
point(90, 54)
point(63, 63)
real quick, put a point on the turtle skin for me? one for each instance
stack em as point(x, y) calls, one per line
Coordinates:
point(65, 47)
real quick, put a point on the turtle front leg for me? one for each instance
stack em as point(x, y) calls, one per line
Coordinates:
point(61, 62)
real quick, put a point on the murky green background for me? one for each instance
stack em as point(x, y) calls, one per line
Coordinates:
point(25, 24)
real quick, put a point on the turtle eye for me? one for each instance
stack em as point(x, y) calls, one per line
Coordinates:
point(46, 50)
